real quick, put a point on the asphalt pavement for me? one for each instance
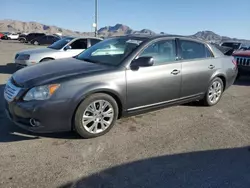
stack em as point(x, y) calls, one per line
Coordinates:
point(182, 146)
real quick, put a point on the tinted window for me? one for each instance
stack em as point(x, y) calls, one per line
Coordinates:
point(50, 37)
point(162, 52)
point(60, 43)
point(192, 50)
point(79, 44)
point(39, 34)
point(94, 41)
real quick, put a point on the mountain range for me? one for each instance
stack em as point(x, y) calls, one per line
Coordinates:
point(107, 31)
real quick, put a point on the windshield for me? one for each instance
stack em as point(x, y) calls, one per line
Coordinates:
point(60, 44)
point(110, 51)
point(234, 45)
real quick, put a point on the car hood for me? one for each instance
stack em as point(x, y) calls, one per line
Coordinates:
point(35, 51)
point(50, 71)
point(242, 53)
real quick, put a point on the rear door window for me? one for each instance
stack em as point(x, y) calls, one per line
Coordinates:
point(94, 41)
point(79, 44)
point(193, 50)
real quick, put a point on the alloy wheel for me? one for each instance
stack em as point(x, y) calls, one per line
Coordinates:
point(98, 116)
point(214, 92)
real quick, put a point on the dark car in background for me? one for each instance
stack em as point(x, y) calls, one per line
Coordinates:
point(30, 37)
point(232, 44)
point(224, 49)
point(117, 77)
point(45, 40)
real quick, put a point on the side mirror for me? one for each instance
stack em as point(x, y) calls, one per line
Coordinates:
point(67, 48)
point(142, 62)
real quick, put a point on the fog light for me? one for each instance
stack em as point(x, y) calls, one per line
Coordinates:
point(34, 123)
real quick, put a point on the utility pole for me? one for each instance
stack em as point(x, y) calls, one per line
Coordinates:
point(96, 19)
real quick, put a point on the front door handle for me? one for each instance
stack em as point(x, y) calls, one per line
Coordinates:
point(211, 66)
point(175, 72)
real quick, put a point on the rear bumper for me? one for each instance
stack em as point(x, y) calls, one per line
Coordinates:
point(53, 116)
point(244, 70)
point(231, 78)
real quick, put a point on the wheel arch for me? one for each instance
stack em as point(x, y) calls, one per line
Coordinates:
point(112, 93)
point(50, 58)
point(222, 77)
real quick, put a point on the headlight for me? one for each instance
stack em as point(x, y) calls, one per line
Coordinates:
point(41, 92)
point(23, 57)
point(16, 56)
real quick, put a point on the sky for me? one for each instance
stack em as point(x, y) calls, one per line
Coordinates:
point(183, 17)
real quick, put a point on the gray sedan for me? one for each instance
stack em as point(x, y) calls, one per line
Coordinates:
point(117, 77)
point(64, 48)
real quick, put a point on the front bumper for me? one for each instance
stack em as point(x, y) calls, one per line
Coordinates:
point(24, 63)
point(53, 116)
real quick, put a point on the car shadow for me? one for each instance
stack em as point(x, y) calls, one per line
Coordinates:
point(12, 133)
point(224, 168)
point(243, 81)
point(9, 68)
point(194, 104)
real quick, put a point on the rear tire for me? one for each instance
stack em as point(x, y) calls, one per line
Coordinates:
point(22, 40)
point(96, 115)
point(238, 76)
point(214, 92)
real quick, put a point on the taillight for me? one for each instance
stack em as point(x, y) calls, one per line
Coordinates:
point(234, 62)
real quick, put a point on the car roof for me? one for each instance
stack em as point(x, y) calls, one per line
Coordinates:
point(158, 36)
point(75, 38)
point(88, 38)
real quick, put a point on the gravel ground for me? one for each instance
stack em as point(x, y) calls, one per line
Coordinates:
point(182, 146)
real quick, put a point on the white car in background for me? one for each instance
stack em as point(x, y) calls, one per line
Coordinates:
point(13, 36)
point(64, 48)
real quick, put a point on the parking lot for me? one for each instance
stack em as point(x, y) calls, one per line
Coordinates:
point(183, 146)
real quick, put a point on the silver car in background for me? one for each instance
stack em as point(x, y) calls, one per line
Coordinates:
point(64, 48)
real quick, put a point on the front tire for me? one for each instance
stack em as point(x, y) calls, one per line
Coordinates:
point(96, 115)
point(36, 43)
point(214, 92)
point(22, 41)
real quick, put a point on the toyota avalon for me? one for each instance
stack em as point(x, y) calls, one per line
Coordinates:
point(117, 77)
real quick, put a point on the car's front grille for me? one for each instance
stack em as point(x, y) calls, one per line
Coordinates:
point(243, 61)
point(10, 91)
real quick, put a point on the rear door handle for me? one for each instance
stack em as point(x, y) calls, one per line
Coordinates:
point(211, 66)
point(175, 72)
